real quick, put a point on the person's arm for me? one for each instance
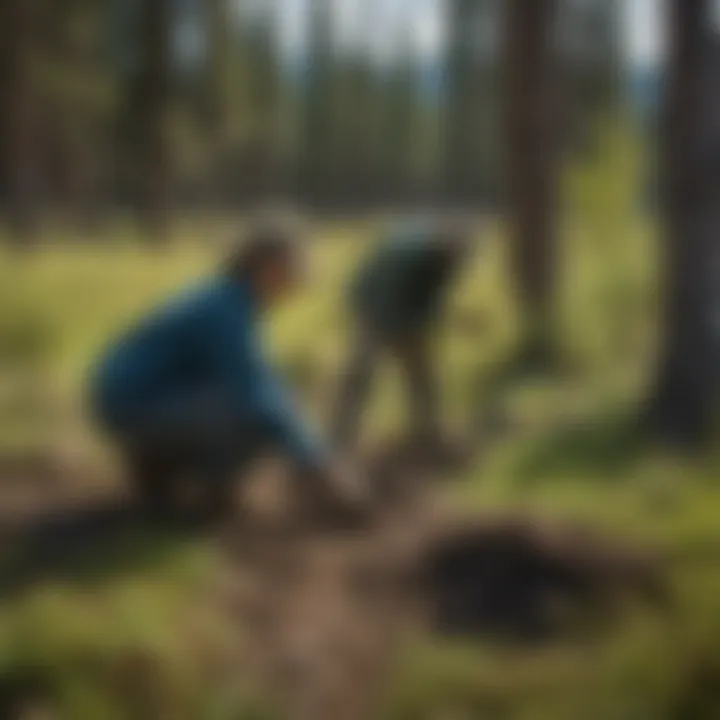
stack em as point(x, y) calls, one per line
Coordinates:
point(235, 354)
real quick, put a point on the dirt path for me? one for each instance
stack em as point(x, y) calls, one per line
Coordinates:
point(323, 613)
point(320, 626)
point(316, 614)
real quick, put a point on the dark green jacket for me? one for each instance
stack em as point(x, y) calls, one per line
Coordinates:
point(401, 286)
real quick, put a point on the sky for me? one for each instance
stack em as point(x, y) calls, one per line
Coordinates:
point(644, 37)
point(380, 20)
point(422, 19)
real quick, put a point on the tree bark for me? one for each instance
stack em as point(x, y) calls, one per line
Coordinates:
point(18, 117)
point(531, 146)
point(153, 96)
point(682, 403)
point(458, 122)
point(217, 34)
point(216, 38)
point(315, 164)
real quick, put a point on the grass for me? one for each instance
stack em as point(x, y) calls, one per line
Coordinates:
point(105, 639)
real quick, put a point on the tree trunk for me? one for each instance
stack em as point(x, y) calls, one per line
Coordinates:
point(315, 164)
point(153, 97)
point(532, 166)
point(461, 85)
point(216, 39)
point(18, 117)
point(682, 403)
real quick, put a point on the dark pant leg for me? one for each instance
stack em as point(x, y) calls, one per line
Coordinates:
point(197, 437)
point(354, 388)
point(416, 361)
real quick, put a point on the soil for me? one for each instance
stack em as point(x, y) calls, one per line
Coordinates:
point(321, 613)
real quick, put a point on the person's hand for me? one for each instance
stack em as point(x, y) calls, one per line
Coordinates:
point(344, 483)
point(340, 490)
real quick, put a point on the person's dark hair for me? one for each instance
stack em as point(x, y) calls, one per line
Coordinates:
point(263, 242)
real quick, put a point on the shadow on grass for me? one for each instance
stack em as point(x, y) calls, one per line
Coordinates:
point(86, 544)
point(601, 448)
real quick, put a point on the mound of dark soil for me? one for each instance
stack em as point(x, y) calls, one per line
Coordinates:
point(526, 580)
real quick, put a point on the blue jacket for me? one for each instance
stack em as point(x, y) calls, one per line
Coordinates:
point(401, 286)
point(207, 337)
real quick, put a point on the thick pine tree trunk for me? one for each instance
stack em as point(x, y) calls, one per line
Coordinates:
point(682, 403)
point(531, 146)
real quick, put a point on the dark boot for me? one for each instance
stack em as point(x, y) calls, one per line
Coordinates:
point(152, 479)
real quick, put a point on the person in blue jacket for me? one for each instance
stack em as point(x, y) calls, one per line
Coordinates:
point(396, 298)
point(188, 394)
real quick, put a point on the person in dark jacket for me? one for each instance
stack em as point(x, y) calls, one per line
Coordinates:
point(188, 394)
point(396, 298)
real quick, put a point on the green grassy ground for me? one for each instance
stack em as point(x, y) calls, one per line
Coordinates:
point(106, 642)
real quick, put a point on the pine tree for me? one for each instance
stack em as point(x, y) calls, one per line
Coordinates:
point(682, 403)
point(531, 144)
